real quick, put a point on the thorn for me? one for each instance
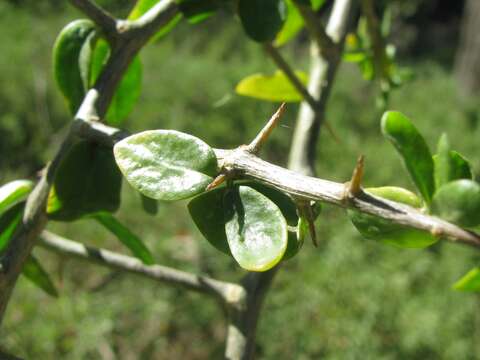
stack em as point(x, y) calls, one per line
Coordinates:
point(311, 225)
point(257, 143)
point(354, 185)
point(220, 179)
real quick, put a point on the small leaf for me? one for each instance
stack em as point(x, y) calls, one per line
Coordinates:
point(458, 202)
point(34, 271)
point(449, 165)
point(375, 228)
point(126, 237)
point(256, 229)
point(413, 149)
point(292, 25)
point(166, 164)
point(67, 62)
point(14, 192)
point(261, 20)
point(274, 87)
point(127, 91)
point(149, 205)
point(87, 181)
point(469, 282)
point(296, 239)
point(9, 221)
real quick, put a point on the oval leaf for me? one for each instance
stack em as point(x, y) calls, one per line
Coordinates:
point(292, 26)
point(413, 149)
point(14, 192)
point(166, 164)
point(87, 181)
point(375, 228)
point(126, 237)
point(458, 202)
point(261, 20)
point(275, 87)
point(449, 164)
point(256, 229)
point(68, 64)
point(469, 282)
point(34, 271)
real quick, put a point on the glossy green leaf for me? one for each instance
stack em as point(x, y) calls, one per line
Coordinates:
point(449, 165)
point(207, 212)
point(166, 164)
point(34, 271)
point(458, 202)
point(274, 87)
point(469, 282)
point(68, 65)
point(262, 20)
point(375, 228)
point(255, 227)
point(413, 149)
point(126, 237)
point(296, 238)
point(14, 192)
point(9, 221)
point(149, 205)
point(142, 6)
point(127, 91)
point(87, 181)
point(292, 25)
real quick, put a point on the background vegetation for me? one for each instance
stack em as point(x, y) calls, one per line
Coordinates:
point(350, 298)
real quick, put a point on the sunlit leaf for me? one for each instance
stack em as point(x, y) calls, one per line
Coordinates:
point(14, 192)
point(458, 202)
point(292, 25)
point(413, 149)
point(34, 271)
point(68, 64)
point(469, 282)
point(126, 237)
point(87, 181)
point(9, 221)
point(274, 87)
point(262, 20)
point(166, 164)
point(255, 227)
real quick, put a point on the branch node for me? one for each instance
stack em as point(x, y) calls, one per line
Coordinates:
point(257, 143)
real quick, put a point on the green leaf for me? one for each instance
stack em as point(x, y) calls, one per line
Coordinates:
point(449, 165)
point(127, 91)
point(87, 181)
point(256, 229)
point(33, 271)
point(166, 164)
point(469, 282)
point(149, 205)
point(458, 202)
point(274, 87)
point(9, 221)
point(262, 20)
point(126, 237)
point(14, 192)
point(142, 6)
point(413, 149)
point(296, 238)
point(68, 64)
point(292, 25)
point(317, 4)
point(375, 228)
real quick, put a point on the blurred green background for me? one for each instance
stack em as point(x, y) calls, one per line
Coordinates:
point(349, 299)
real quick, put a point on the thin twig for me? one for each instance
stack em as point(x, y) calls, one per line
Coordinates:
point(224, 291)
point(100, 17)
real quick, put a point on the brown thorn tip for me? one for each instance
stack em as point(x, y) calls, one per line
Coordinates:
point(255, 146)
point(357, 176)
point(216, 182)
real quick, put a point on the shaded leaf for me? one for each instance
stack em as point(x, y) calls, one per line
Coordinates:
point(87, 181)
point(375, 228)
point(274, 87)
point(126, 237)
point(9, 222)
point(34, 271)
point(256, 229)
point(262, 20)
point(469, 282)
point(458, 202)
point(296, 238)
point(68, 65)
point(166, 164)
point(413, 149)
point(149, 205)
point(14, 192)
point(292, 25)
